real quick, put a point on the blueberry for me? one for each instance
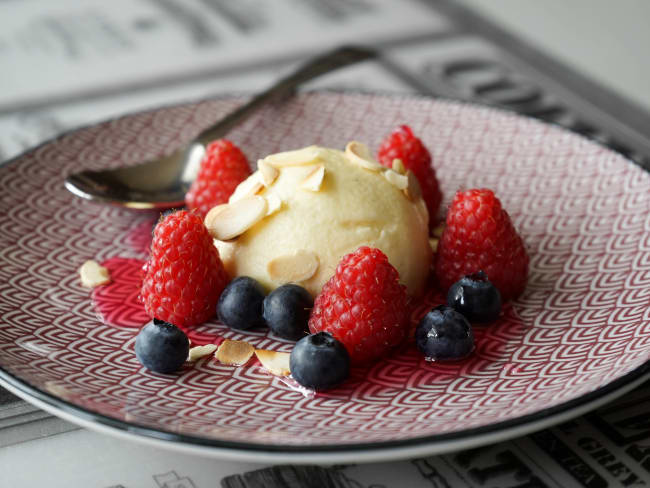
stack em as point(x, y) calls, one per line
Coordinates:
point(286, 311)
point(443, 333)
point(240, 304)
point(319, 361)
point(475, 297)
point(161, 347)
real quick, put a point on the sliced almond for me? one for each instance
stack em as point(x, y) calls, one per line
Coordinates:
point(237, 218)
point(439, 229)
point(276, 362)
point(296, 267)
point(401, 182)
point(198, 352)
point(314, 180)
point(398, 166)
point(93, 274)
point(247, 188)
point(226, 250)
point(234, 353)
point(433, 242)
point(412, 191)
point(273, 204)
point(268, 173)
point(212, 214)
point(358, 153)
point(298, 157)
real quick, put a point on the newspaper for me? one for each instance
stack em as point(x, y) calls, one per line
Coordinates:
point(69, 64)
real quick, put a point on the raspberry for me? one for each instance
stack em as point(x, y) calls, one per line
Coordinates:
point(223, 167)
point(479, 236)
point(363, 305)
point(402, 144)
point(184, 275)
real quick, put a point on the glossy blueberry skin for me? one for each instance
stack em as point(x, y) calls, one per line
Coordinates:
point(240, 304)
point(319, 361)
point(161, 347)
point(443, 333)
point(476, 298)
point(286, 311)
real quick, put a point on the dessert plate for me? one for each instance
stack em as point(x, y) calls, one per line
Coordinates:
point(578, 337)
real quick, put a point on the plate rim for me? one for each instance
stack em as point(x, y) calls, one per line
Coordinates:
point(362, 452)
point(302, 454)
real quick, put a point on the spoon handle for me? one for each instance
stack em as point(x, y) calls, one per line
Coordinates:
point(330, 61)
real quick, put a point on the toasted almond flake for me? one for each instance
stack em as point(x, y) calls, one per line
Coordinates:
point(212, 214)
point(226, 251)
point(412, 191)
point(439, 229)
point(401, 182)
point(314, 180)
point(93, 274)
point(296, 267)
point(273, 204)
point(298, 157)
point(276, 362)
point(234, 353)
point(358, 153)
point(268, 173)
point(433, 242)
point(237, 218)
point(398, 166)
point(198, 352)
point(247, 188)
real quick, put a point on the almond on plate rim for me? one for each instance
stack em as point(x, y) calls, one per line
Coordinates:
point(93, 274)
point(198, 352)
point(234, 353)
point(277, 363)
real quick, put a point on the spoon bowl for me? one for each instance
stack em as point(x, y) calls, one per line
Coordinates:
point(163, 182)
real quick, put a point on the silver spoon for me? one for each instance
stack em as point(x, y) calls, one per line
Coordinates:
point(163, 182)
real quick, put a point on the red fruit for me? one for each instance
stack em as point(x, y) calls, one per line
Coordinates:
point(184, 275)
point(363, 305)
point(479, 236)
point(402, 144)
point(223, 167)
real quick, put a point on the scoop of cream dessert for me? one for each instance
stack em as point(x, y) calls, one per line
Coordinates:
point(294, 218)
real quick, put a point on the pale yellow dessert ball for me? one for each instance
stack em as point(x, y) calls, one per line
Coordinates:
point(301, 211)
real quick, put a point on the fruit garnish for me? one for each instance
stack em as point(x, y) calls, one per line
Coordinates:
point(286, 311)
point(319, 361)
point(443, 334)
point(479, 236)
point(402, 144)
point(363, 305)
point(161, 347)
point(240, 304)
point(184, 275)
point(475, 297)
point(223, 167)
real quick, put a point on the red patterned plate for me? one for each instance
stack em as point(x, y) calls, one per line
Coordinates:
point(579, 336)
